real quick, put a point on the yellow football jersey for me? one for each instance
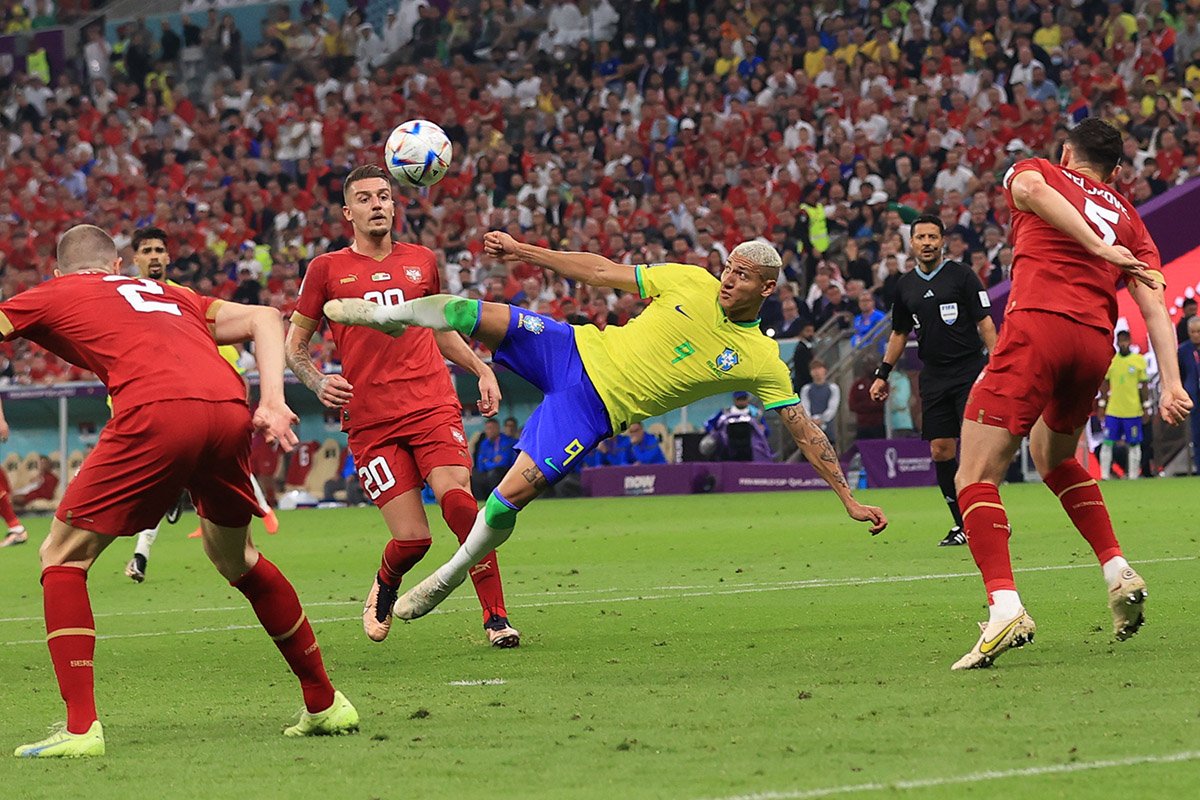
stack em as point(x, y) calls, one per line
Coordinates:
point(681, 349)
point(1125, 374)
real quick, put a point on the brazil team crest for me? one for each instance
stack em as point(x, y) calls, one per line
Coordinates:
point(532, 324)
point(727, 360)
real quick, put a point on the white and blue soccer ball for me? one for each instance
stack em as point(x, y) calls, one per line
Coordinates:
point(418, 153)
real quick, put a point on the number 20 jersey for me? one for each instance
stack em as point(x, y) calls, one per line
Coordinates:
point(1051, 271)
point(393, 378)
point(145, 340)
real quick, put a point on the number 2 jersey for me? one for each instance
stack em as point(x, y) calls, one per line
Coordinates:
point(1051, 271)
point(145, 341)
point(393, 378)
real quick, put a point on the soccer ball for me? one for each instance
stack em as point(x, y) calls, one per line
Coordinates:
point(418, 153)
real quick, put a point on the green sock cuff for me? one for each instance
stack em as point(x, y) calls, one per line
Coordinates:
point(463, 315)
point(498, 514)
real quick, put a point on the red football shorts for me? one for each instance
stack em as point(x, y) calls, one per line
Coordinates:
point(394, 457)
point(149, 454)
point(1045, 365)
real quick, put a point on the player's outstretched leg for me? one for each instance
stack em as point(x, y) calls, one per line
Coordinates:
point(987, 451)
point(135, 570)
point(1054, 455)
point(405, 517)
point(451, 485)
point(66, 555)
point(493, 525)
point(326, 711)
point(487, 322)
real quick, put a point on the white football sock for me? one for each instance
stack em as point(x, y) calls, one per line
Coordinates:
point(426, 312)
point(1106, 461)
point(482, 540)
point(1006, 604)
point(1112, 569)
point(145, 540)
point(1135, 461)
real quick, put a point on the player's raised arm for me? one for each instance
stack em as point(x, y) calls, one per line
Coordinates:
point(1174, 402)
point(234, 322)
point(1031, 192)
point(815, 445)
point(586, 267)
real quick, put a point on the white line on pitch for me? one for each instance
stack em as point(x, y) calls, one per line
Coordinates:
point(975, 777)
point(484, 682)
point(706, 590)
point(750, 588)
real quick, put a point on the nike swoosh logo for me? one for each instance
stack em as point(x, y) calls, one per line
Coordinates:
point(550, 463)
point(986, 647)
point(681, 311)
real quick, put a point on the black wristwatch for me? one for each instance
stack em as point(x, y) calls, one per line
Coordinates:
point(883, 370)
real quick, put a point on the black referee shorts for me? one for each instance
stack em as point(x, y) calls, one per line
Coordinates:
point(943, 398)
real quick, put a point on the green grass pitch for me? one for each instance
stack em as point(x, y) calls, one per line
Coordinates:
point(689, 647)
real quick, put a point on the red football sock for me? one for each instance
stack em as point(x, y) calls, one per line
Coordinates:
point(399, 557)
point(986, 525)
point(71, 637)
point(1081, 499)
point(459, 510)
point(6, 507)
point(278, 609)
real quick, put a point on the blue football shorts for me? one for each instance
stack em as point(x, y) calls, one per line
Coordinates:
point(571, 419)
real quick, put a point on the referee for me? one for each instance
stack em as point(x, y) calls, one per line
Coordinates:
point(946, 304)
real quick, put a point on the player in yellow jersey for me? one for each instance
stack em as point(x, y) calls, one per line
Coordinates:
point(699, 337)
point(1124, 404)
point(151, 257)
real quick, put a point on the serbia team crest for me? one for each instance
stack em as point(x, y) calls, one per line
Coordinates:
point(727, 360)
point(413, 274)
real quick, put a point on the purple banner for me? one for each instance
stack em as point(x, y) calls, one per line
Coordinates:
point(897, 462)
point(644, 480)
point(14, 48)
point(694, 478)
point(732, 476)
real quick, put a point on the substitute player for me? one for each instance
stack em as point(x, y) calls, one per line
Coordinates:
point(180, 421)
point(1074, 242)
point(398, 403)
point(151, 256)
point(1124, 401)
point(946, 304)
point(698, 338)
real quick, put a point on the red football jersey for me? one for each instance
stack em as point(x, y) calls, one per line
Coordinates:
point(1051, 271)
point(301, 463)
point(145, 340)
point(392, 377)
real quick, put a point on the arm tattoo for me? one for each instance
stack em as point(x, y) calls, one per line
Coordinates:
point(535, 478)
point(302, 366)
point(815, 445)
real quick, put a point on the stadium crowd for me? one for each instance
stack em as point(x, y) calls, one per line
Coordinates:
point(643, 131)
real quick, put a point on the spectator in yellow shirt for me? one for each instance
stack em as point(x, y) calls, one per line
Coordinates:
point(814, 56)
point(881, 48)
point(1049, 36)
